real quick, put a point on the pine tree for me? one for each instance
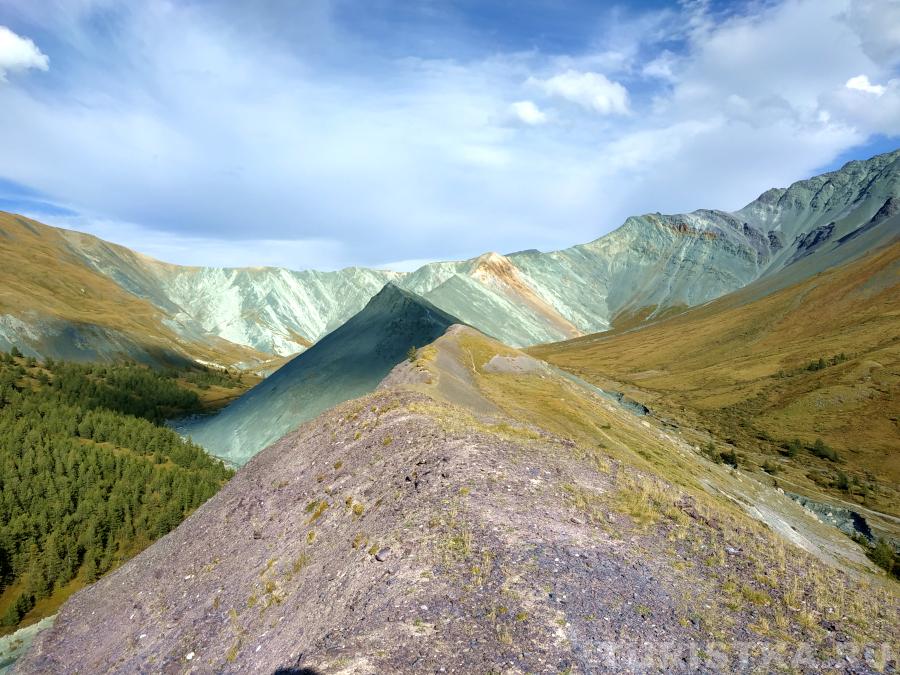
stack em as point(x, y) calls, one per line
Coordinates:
point(86, 475)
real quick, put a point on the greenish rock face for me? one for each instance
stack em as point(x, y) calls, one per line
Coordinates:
point(273, 310)
point(651, 261)
point(345, 364)
point(493, 313)
point(14, 646)
point(651, 264)
point(277, 311)
point(667, 261)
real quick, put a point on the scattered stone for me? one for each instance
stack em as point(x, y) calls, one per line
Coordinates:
point(508, 586)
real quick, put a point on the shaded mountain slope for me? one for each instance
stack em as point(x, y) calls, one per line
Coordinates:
point(779, 361)
point(52, 304)
point(347, 363)
point(405, 533)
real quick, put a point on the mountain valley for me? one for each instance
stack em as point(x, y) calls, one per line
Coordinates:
point(775, 373)
point(388, 534)
point(448, 337)
point(684, 433)
point(651, 266)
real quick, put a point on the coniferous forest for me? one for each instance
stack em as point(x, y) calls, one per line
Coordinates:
point(88, 475)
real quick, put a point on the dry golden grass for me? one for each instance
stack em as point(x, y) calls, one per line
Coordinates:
point(627, 318)
point(737, 367)
point(41, 276)
point(637, 484)
point(662, 490)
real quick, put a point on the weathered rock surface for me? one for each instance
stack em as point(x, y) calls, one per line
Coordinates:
point(650, 265)
point(345, 364)
point(402, 533)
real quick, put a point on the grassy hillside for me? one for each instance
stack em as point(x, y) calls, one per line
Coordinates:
point(803, 383)
point(466, 368)
point(69, 310)
point(88, 475)
point(484, 513)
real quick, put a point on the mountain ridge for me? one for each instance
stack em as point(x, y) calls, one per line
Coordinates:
point(776, 367)
point(650, 265)
point(347, 363)
point(387, 535)
point(51, 303)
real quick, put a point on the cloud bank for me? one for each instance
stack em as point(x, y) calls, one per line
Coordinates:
point(592, 91)
point(325, 133)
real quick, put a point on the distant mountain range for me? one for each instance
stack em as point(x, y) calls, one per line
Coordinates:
point(652, 266)
point(498, 295)
point(417, 492)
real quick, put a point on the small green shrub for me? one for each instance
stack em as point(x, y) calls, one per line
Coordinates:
point(730, 457)
point(792, 448)
point(711, 453)
point(884, 555)
point(841, 482)
point(820, 449)
point(817, 365)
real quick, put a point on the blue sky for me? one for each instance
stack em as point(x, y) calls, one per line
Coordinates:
point(328, 133)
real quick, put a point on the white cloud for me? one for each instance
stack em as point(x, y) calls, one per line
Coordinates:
point(324, 149)
point(528, 112)
point(861, 83)
point(854, 106)
point(19, 53)
point(661, 67)
point(877, 23)
point(587, 89)
point(794, 50)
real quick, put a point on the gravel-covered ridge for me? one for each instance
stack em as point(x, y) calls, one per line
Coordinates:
point(385, 537)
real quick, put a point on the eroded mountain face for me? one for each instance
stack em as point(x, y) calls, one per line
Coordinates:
point(651, 266)
point(345, 364)
point(52, 304)
point(479, 513)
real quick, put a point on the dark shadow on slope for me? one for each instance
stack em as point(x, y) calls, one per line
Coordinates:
point(297, 671)
point(347, 363)
point(889, 209)
point(808, 242)
point(90, 342)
